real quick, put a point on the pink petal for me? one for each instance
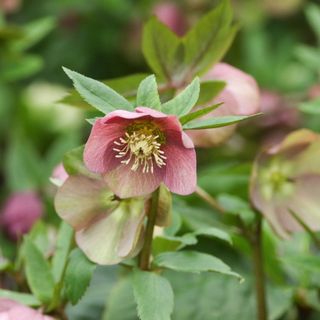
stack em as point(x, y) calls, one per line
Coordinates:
point(80, 200)
point(151, 112)
point(126, 183)
point(180, 176)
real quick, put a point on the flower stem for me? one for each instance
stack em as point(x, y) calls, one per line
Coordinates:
point(212, 202)
point(256, 242)
point(144, 259)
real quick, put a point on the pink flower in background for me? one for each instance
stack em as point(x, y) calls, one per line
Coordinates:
point(170, 15)
point(239, 97)
point(314, 91)
point(12, 310)
point(59, 175)
point(20, 212)
point(285, 179)
point(136, 151)
point(10, 6)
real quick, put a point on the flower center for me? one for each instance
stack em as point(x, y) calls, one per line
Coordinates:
point(141, 144)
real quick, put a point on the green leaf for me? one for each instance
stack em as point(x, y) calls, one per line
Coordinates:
point(311, 107)
point(34, 32)
point(192, 261)
point(160, 48)
point(78, 275)
point(24, 298)
point(126, 86)
point(153, 295)
point(305, 262)
point(182, 104)
point(199, 113)
point(215, 233)
point(206, 43)
point(97, 94)
point(63, 247)
point(216, 122)
point(313, 16)
point(147, 94)
point(73, 163)
point(38, 272)
point(209, 90)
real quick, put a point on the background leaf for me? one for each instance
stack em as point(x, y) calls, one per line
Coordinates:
point(147, 94)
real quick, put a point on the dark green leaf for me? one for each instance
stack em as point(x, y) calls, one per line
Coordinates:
point(192, 261)
point(99, 95)
point(147, 94)
point(182, 104)
point(153, 295)
point(160, 47)
point(207, 42)
point(216, 122)
point(78, 275)
point(209, 90)
point(24, 298)
point(38, 272)
point(63, 247)
point(199, 113)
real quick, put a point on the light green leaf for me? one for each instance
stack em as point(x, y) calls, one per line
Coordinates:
point(160, 48)
point(199, 113)
point(182, 104)
point(215, 233)
point(38, 272)
point(207, 42)
point(209, 90)
point(216, 122)
point(24, 298)
point(147, 95)
point(192, 261)
point(313, 16)
point(63, 247)
point(153, 295)
point(78, 275)
point(311, 107)
point(97, 94)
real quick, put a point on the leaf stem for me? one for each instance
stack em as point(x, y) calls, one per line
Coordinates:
point(256, 242)
point(212, 202)
point(144, 259)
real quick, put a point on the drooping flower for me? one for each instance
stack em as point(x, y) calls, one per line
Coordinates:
point(285, 182)
point(137, 151)
point(240, 96)
point(20, 212)
point(12, 310)
point(107, 230)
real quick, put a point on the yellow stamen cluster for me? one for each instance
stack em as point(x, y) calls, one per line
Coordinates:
point(141, 144)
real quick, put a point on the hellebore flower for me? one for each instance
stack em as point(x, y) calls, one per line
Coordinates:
point(59, 175)
point(137, 151)
point(285, 182)
point(20, 212)
point(107, 230)
point(12, 310)
point(239, 97)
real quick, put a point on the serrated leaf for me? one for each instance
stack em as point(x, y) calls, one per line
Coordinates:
point(153, 295)
point(192, 261)
point(147, 94)
point(216, 122)
point(63, 247)
point(182, 104)
point(97, 94)
point(199, 113)
point(126, 86)
point(207, 42)
point(24, 298)
point(78, 275)
point(38, 272)
point(160, 47)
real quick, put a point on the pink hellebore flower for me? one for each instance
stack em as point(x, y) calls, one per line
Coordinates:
point(12, 310)
point(170, 15)
point(239, 97)
point(286, 179)
point(59, 175)
point(20, 212)
point(137, 151)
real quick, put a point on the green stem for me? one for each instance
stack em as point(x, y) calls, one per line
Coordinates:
point(256, 242)
point(144, 259)
point(212, 202)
